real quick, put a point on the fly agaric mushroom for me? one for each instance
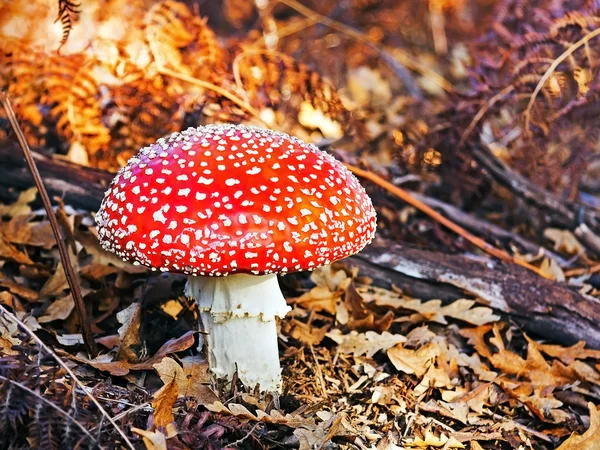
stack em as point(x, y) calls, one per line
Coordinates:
point(232, 206)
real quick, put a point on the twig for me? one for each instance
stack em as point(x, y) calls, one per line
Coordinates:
point(568, 52)
point(49, 403)
point(400, 57)
point(86, 330)
point(411, 200)
point(213, 87)
point(14, 318)
point(582, 271)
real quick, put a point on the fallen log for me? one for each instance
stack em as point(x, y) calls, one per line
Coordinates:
point(81, 187)
point(547, 308)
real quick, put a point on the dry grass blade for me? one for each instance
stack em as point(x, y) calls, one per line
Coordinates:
point(568, 52)
point(408, 198)
point(50, 404)
point(13, 318)
point(86, 330)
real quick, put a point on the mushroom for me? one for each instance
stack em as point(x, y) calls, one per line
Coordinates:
point(231, 206)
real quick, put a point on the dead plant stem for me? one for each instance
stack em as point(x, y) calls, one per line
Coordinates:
point(86, 329)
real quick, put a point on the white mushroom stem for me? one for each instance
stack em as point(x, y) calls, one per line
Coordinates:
point(237, 313)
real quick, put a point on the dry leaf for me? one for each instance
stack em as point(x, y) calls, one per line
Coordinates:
point(433, 310)
point(172, 308)
point(18, 289)
point(476, 337)
point(362, 318)
point(21, 206)
point(590, 440)
point(59, 309)
point(318, 299)
point(552, 270)
point(415, 362)
point(566, 354)
point(12, 253)
point(192, 379)
point(306, 334)
point(163, 401)
point(431, 440)
point(564, 241)
point(367, 343)
point(153, 440)
point(129, 334)
point(8, 338)
point(317, 438)
point(328, 278)
point(276, 417)
point(122, 367)
point(70, 339)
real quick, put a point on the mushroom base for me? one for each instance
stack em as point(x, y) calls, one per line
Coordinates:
point(237, 313)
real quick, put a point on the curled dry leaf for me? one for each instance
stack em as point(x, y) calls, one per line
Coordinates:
point(362, 318)
point(129, 334)
point(317, 438)
point(318, 299)
point(18, 289)
point(566, 354)
point(327, 277)
point(367, 343)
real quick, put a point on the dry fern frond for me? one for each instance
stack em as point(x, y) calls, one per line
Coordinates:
point(182, 41)
point(72, 95)
point(67, 11)
point(144, 109)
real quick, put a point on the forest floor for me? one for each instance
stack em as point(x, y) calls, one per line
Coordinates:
point(472, 321)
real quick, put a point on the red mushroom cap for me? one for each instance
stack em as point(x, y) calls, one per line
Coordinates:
point(226, 199)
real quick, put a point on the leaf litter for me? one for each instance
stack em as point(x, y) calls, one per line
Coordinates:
point(446, 368)
point(364, 367)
